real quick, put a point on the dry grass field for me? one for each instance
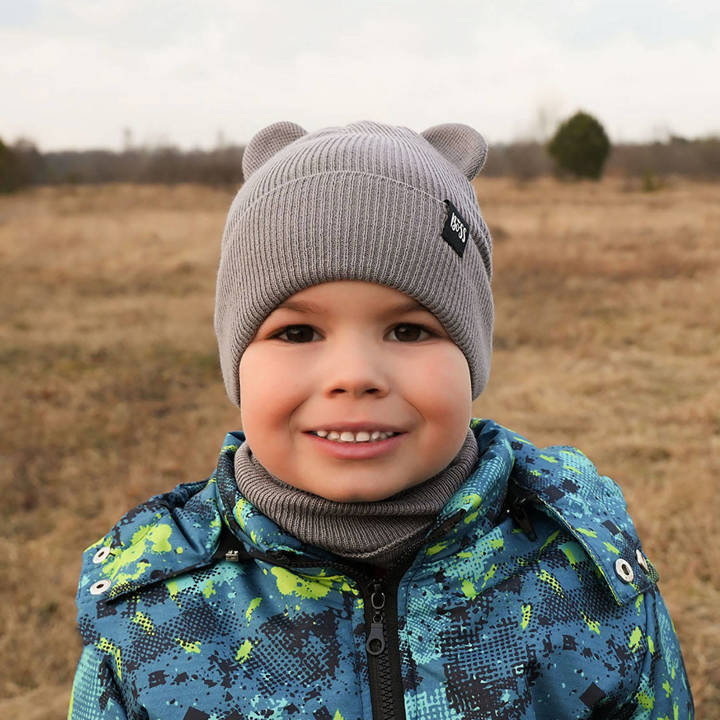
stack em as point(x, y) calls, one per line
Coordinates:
point(607, 337)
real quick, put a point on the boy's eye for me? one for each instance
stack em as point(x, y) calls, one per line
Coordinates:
point(295, 333)
point(304, 333)
point(414, 329)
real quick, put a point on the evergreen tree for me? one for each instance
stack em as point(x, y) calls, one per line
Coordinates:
point(580, 146)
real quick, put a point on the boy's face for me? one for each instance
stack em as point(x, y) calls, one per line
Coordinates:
point(353, 358)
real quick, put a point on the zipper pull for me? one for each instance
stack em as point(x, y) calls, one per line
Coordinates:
point(375, 643)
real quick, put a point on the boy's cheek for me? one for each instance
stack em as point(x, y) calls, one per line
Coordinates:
point(260, 372)
point(448, 372)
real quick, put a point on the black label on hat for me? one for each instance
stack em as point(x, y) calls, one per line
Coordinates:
point(455, 233)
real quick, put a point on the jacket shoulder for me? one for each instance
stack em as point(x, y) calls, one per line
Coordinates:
point(162, 537)
point(567, 486)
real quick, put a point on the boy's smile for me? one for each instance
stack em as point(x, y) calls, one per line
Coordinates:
point(374, 445)
point(354, 361)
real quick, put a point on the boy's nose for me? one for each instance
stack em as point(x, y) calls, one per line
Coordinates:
point(357, 372)
point(357, 384)
point(357, 390)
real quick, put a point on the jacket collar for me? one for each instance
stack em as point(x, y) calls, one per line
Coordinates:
point(160, 539)
point(565, 485)
point(478, 500)
point(181, 530)
point(560, 481)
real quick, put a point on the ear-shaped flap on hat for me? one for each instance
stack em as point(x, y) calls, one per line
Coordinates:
point(460, 144)
point(268, 141)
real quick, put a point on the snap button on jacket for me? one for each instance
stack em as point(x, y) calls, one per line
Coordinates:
point(512, 608)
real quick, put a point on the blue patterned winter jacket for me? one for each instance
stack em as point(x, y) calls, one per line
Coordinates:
point(531, 598)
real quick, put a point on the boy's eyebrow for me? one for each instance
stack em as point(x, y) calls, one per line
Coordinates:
point(305, 306)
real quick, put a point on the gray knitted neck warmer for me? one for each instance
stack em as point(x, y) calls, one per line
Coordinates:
point(372, 532)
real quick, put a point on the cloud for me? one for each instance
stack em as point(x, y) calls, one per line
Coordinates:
point(80, 72)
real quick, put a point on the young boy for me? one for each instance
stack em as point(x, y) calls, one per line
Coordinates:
point(366, 548)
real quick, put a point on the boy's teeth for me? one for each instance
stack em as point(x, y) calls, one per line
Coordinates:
point(346, 436)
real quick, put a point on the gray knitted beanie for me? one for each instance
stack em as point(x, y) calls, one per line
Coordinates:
point(365, 201)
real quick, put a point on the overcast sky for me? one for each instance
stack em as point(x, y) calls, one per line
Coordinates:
point(77, 73)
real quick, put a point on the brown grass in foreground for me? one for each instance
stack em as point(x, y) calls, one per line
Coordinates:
point(606, 338)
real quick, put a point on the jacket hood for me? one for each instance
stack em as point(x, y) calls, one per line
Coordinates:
point(181, 530)
point(188, 527)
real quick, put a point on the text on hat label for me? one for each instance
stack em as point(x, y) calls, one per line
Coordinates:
point(455, 232)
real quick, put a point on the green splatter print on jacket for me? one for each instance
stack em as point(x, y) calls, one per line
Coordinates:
point(531, 598)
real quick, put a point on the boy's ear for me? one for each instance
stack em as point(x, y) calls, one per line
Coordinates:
point(268, 141)
point(460, 144)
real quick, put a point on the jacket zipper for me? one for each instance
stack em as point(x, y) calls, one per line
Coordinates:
point(376, 637)
point(383, 653)
point(382, 640)
point(380, 602)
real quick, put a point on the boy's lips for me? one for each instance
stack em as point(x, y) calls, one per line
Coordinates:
point(356, 450)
